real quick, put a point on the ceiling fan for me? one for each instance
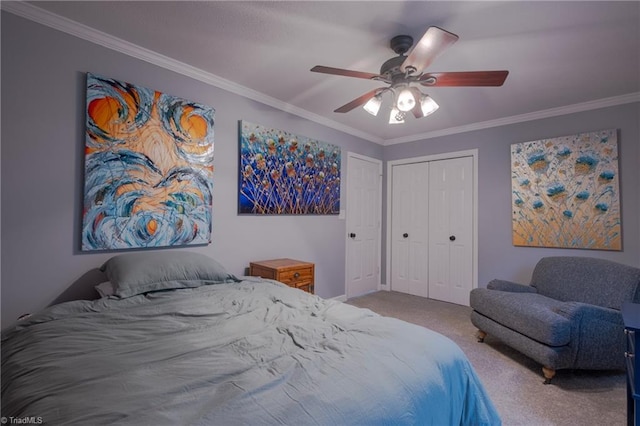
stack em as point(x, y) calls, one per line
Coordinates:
point(404, 73)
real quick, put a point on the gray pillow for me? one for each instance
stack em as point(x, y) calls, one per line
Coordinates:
point(136, 273)
point(105, 289)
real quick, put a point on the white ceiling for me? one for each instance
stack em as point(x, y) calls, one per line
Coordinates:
point(561, 55)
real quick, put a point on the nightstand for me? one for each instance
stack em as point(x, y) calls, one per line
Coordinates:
point(294, 273)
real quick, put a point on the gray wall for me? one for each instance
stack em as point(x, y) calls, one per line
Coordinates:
point(43, 91)
point(43, 98)
point(497, 257)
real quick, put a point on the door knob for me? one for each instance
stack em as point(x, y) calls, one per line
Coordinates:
point(352, 235)
point(452, 238)
point(405, 235)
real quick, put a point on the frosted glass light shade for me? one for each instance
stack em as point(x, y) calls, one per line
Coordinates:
point(428, 105)
point(405, 101)
point(373, 105)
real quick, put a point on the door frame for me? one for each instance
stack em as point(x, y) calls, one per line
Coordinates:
point(473, 153)
point(350, 156)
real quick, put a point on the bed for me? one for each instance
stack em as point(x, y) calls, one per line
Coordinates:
point(177, 340)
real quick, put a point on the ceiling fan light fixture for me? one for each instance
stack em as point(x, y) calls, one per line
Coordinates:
point(396, 116)
point(428, 105)
point(402, 73)
point(405, 101)
point(373, 105)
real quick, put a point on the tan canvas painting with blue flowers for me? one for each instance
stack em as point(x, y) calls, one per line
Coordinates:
point(565, 192)
point(283, 173)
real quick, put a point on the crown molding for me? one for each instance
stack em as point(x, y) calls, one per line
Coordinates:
point(514, 119)
point(92, 35)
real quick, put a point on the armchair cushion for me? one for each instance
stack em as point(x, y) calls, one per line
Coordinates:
point(531, 314)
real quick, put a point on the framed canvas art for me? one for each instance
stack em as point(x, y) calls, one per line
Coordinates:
point(566, 192)
point(283, 173)
point(148, 168)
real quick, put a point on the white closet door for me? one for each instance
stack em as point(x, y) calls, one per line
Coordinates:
point(451, 230)
point(409, 233)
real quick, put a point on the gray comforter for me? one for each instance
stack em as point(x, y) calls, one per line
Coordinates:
point(248, 353)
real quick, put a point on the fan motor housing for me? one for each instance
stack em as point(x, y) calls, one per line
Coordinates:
point(392, 66)
point(401, 44)
point(390, 70)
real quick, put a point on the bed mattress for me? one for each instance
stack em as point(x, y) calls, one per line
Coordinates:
point(244, 353)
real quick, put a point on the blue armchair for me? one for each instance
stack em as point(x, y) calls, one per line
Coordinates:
point(567, 317)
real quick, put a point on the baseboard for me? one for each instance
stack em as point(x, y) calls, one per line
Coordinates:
point(341, 298)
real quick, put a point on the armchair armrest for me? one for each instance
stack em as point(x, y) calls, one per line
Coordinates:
point(597, 335)
point(503, 285)
point(573, 310)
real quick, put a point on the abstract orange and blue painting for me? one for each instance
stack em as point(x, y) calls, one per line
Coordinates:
point(281, 173)
point(565, 192)
point(148, 168)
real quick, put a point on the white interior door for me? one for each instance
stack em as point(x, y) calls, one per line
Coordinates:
point(363, 225)
point(409, 230)
point(451, 230)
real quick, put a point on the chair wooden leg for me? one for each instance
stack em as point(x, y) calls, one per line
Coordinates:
point(548, 374)
point(481, 335)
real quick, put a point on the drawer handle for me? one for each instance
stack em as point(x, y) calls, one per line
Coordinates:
point(629, 355)
point(296, 275)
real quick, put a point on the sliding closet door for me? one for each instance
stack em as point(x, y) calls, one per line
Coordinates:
point(409, 231)
point(451, 230)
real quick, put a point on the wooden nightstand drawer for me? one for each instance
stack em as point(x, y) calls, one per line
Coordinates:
point(295, 276)
point(308, 287)
point(260, 271)
point(293, 273)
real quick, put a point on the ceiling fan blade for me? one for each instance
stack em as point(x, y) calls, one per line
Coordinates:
point(464, 78)
point(432, 43)
point(347, 73)
point(417, 109)
point(359, 101)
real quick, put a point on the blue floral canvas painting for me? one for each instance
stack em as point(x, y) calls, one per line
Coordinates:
point(283, 173)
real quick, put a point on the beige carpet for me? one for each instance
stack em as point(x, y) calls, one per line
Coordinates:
point(513, 381)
